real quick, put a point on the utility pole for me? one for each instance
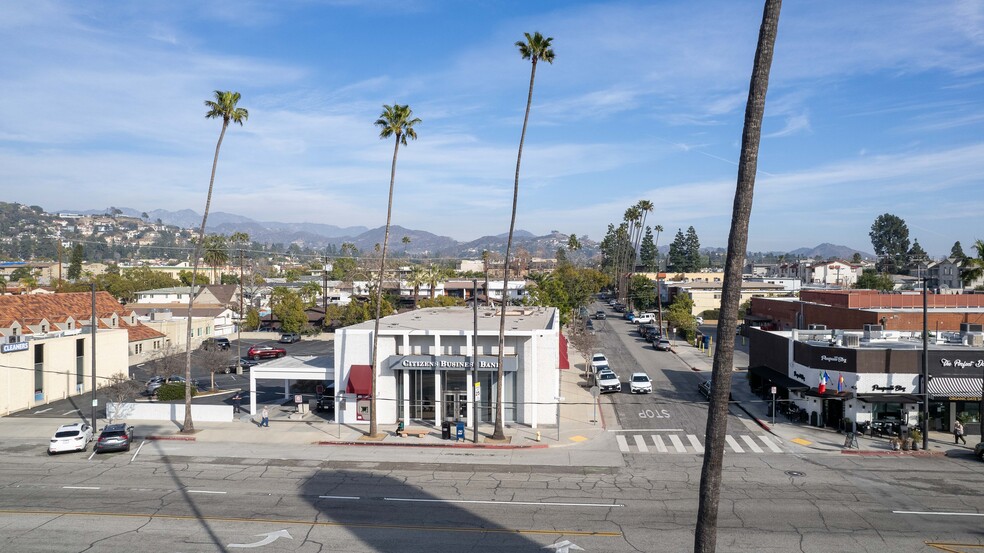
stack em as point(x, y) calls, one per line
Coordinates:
point(475, 382)
point(324, 294)
point(92, 362)
point(242, 316)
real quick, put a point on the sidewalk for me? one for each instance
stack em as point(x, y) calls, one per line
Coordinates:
point(753, 411)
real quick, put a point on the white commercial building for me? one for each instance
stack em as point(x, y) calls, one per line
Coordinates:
point(425, 371)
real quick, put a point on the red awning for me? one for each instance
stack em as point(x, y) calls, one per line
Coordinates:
point(565, 363)
point(359, 380)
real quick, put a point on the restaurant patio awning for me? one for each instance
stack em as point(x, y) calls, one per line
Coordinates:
point(778, 378)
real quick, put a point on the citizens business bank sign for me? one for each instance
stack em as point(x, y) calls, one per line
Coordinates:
point(450, 363)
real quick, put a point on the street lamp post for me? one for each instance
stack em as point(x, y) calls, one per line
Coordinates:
point(925, 365)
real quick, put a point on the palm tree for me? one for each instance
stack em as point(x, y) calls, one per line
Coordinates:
point(535, 48)
point(659, 301)
point(215, 254)
point(398, 121)
point(973, 267)
point(433, 274)
point(416, 278)
point(224, 107)
point(705, 537)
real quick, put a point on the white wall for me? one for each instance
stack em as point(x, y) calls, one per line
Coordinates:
point(168, 412)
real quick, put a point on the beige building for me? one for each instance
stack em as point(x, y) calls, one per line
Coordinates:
point(46, 346)
point(707, 295)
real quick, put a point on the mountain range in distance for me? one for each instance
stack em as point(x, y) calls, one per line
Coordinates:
point(319, 236)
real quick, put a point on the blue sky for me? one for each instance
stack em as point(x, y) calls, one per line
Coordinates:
point(873, 107)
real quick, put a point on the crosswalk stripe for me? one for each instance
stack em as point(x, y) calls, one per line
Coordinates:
point(751, 443)
point(622, 444)
point(641, 444)
point(768, 441)
point(677, 443)
point(695, 443)
point(660, 446)
point(734, 444)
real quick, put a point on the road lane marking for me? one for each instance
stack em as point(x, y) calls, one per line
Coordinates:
point(939, 513)
point(751, 443)
point(695, 443)
point(641, 443)
point(338, 497)
point(623, 445)
point(801, 441)
point(132, 459)
point(80, 487)
point(734, 444)
point(768, 441)
point(324, 524)
point(42, 411)
point(678, 443)
point(660, 446)
point(494, 502)
point(650, 430)
point(206, 491)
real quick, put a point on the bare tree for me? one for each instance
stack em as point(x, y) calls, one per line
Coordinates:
point(585, 343)
point(214, 360)
point(705, 537)
point(167, 362)
point(120, 388)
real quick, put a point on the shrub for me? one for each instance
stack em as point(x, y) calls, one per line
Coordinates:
point(171, 392)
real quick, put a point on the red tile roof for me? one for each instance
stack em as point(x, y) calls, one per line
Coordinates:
point(78, 305)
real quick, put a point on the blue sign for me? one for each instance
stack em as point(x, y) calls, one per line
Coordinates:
point(16, 346)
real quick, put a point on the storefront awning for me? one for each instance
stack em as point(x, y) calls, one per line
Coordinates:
point(778, 378)
point(889, 398)
point(955, 387)
point(359, 380)
point(565, 363)
point(828, 394)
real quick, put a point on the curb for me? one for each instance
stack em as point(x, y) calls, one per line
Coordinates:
point(872, 453)
point(445, 446)
point(170, 438)
point(757, 420)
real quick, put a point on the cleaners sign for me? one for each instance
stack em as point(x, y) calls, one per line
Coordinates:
point(16, 346)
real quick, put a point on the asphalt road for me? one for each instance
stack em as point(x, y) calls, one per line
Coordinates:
point(168, 497)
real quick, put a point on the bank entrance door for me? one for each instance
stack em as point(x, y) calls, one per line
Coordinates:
point(456, 406)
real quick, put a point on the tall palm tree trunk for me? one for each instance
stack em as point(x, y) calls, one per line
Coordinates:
point(705, 537)
point(189, 425)
point(379, 295)
point(499, 432)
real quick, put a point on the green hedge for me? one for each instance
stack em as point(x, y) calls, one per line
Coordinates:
point(171, 392)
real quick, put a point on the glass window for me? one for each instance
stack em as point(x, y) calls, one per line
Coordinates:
point(79, 361)
point(38, 369)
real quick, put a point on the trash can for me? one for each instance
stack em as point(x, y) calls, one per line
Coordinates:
point(446, 430)
point(459, 431)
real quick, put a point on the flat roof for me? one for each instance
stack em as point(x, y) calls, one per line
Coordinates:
point(907, 340)
point(456, 319)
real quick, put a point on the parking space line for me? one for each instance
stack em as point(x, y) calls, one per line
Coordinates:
point(622, 444)
point(42, 411)
point(695, 443)
point(206, 491)
point(93, 454)
point(734, 444)
point(660, 446)
point(80, 487)
point(70, 412)
point(641, 443)
point(751, 443)
point(678, 443)
point(352, 497)
point(137, 452)
point(768, 441)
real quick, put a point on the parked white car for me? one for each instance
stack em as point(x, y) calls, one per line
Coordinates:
point(640, 384)
point(608, 382)
point(70, 437)
point(598, 360)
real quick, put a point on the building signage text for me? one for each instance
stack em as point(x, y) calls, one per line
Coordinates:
point(895, 388)
point(16, 346)
point(450, 362)
point(833, 358)
point(978, 363)
point(799, 376)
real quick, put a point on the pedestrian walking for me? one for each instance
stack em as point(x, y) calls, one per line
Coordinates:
point(958, 433)
point(237, 403)
point(265, 417)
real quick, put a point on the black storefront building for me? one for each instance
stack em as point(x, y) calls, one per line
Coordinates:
point(868, 381)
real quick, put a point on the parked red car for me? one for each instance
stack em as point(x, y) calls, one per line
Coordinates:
point(265, 352)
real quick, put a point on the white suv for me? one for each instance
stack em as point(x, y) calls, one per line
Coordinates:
point(608, 382)
point(598, 360)
point(70, 437)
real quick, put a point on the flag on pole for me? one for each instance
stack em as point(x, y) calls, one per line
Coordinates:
point(822, 386)
point(840, 383)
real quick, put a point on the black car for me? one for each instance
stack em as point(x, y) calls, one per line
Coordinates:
point(216, 344)
point(245, 362)
point(705, 390)
point(114, 437)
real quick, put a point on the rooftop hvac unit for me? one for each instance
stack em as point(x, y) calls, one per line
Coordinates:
point(873, 332)
point(852, 340)
point(974, 339)
point(817, 327)
point(970, 327)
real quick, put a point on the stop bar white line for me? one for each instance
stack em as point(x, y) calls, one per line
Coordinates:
point(938, 513)
point(492, 502)
point(648, 430)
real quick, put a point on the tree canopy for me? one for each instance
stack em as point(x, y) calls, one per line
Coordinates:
point(890, 239)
